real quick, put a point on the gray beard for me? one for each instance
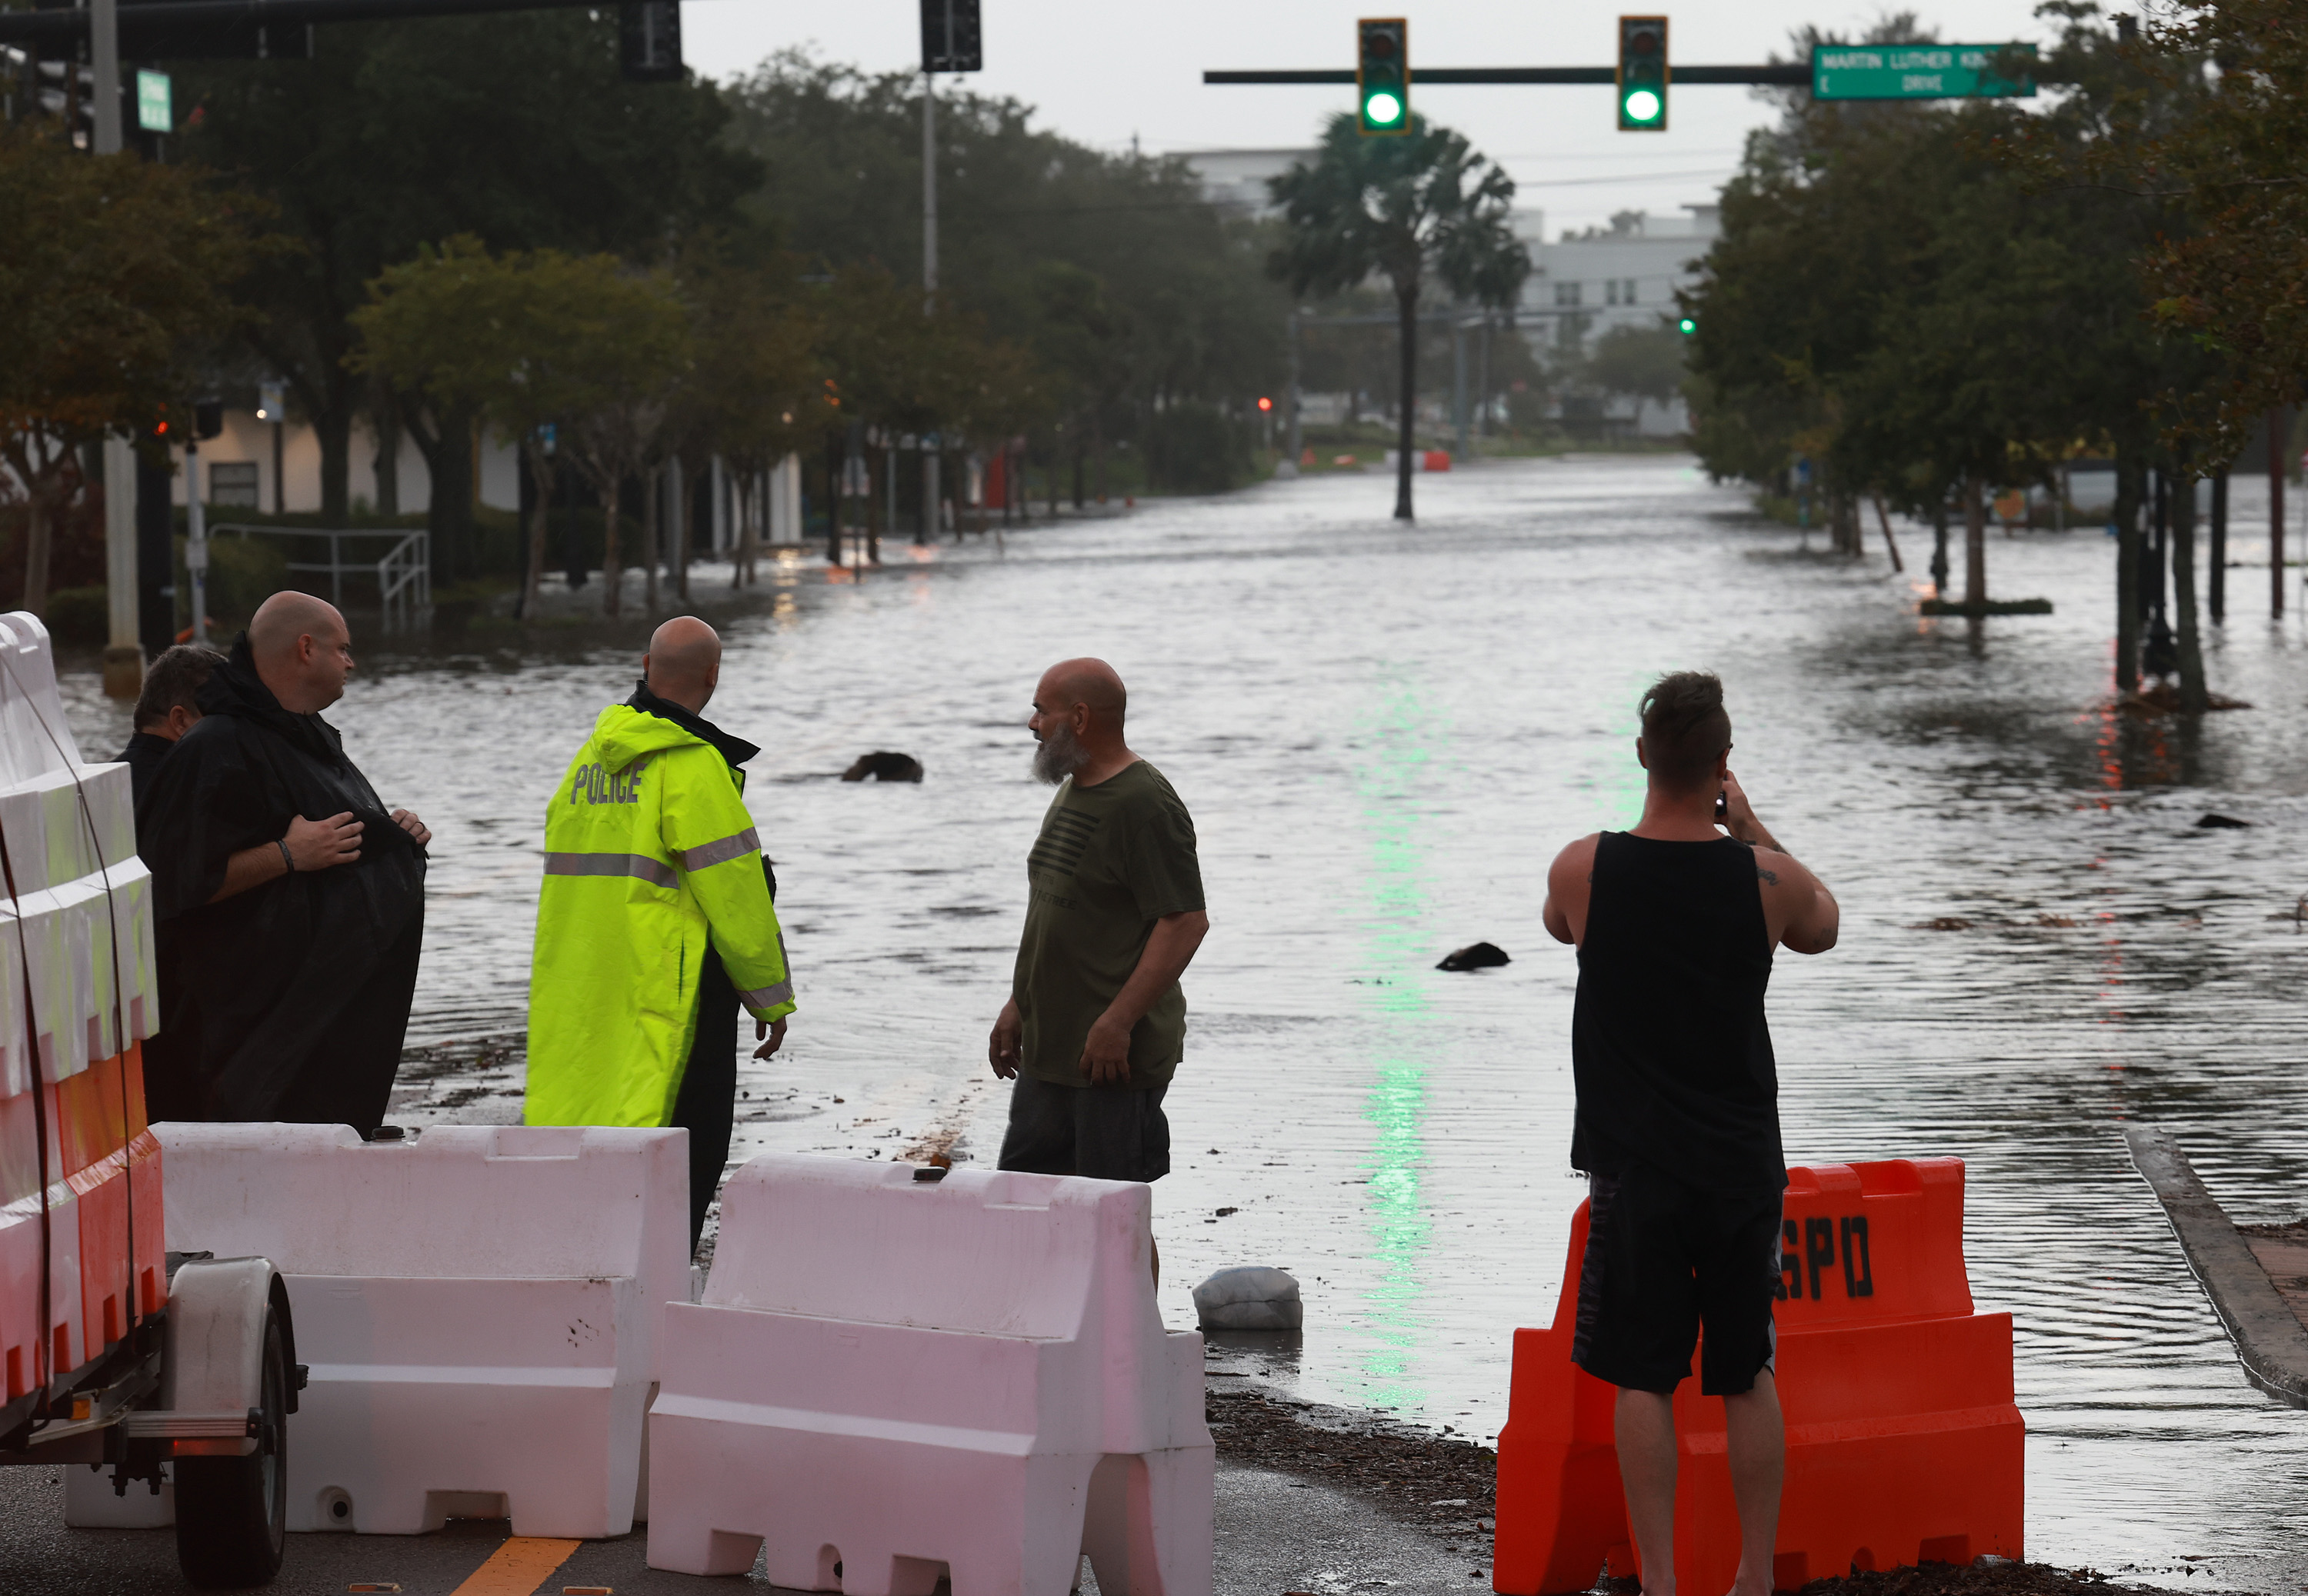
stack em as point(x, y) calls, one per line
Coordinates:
point(1059, 755)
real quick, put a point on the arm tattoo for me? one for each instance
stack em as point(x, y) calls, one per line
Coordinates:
point(1768, 877)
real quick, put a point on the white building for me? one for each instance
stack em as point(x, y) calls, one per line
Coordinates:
point(1236, 179)
point(1626, 275)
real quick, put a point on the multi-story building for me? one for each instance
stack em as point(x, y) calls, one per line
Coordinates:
point(1625, 275)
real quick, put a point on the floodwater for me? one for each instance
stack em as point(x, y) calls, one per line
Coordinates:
point(1384, 735)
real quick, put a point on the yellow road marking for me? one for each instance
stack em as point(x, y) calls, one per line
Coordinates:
point(517, 1568)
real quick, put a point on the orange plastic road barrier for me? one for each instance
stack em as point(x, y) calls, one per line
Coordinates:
point(1904, 1444)
point(98, 1149)
point(1437, 459)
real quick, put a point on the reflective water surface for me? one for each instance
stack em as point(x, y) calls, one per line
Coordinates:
point(1384, 735)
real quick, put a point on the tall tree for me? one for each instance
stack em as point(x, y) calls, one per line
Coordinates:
point(515, 129)
point(110, 269)
point(1414, 208)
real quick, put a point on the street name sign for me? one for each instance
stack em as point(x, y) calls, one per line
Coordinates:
point(1915, 71)
point(154, 111)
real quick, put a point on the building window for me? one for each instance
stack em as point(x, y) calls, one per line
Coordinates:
point(232, 484)
point(1566, 294)
point(1627, 292)
point(1611, 291)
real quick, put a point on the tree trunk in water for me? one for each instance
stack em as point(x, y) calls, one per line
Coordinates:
point(1975, 543)
point(1081, 465)
point(333, 429)
point(39, 530)
point(2129, 471)
point(1407, 306)
point(1097, 456)
point(652, 530)
point(612, 574)
point(540, 522)
point(2194, 699)
point(386, 467)
point(448, 456)
point(683, 517)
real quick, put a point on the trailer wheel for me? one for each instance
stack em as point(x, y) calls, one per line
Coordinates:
point(232, 1512)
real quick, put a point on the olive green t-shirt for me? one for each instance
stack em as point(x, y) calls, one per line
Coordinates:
point(1111, 861)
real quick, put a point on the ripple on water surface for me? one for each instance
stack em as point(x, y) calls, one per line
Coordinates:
point(1384, 733)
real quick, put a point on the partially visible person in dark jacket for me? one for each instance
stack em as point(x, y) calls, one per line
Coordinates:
point(290, 906)
point(166, 710)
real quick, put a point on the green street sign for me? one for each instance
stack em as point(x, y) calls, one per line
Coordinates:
point(155, 112)
point(1914, 71)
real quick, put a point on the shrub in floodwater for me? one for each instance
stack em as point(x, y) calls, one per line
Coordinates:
point(1193, 449)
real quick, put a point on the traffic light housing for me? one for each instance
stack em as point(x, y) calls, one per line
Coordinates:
point(951, 40)
point(648, 41)
point(1643, 74)
point(1383, 75)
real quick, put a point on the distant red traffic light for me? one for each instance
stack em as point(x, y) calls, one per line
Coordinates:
point(1265, 403)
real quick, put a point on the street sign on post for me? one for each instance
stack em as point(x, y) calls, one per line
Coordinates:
point(155, 108)
point(1916, 72)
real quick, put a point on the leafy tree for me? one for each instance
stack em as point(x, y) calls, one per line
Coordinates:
point(1644, 363)
point(1130, 289)
point(109, 274)
point(515, 129)
point(542, 346)
point(1411, 208)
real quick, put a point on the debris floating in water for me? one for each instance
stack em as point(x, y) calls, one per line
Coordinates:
point(1475, 956)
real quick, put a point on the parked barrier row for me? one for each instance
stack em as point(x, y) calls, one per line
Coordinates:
point(891, 1381)
point(1904, 1444)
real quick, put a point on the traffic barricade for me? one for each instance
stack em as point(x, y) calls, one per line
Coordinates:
point(480, 1307)
point(894, 1377)
point(75, 1000)
point(1904, 1443)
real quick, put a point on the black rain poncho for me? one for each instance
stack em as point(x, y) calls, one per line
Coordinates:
point(287, 1001)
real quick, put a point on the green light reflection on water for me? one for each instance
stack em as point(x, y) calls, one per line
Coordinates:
point(1396, 737)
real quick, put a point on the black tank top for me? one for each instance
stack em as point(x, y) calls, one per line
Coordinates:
point(1668, 1045)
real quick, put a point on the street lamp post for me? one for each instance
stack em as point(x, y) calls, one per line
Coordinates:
point(124, 655)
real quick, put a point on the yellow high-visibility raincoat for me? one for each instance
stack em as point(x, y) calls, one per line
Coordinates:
point(651, 858)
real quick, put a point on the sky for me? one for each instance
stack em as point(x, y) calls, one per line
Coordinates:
point(1103, 73)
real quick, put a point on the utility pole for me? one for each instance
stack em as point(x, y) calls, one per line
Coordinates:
point(124, 655)
point(1459, 386)
point(1289, 465)
point(2276, 513)
point(930, 517)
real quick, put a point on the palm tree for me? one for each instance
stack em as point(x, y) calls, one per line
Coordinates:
point(1401, 206)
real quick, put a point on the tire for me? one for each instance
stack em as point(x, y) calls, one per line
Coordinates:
point(232, 1512)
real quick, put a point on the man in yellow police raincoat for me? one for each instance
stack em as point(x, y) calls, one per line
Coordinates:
point(656, 920)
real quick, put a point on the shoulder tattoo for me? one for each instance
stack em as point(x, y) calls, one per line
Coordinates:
point(1766, 877)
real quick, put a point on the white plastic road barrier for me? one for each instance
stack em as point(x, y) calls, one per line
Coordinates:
point(1249, 1297)
point(891, 1380)
point(480, 1307)
point(69, 837)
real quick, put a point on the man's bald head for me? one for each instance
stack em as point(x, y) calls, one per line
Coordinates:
point(1089, 681)
point(302, 651)
point(683, 663)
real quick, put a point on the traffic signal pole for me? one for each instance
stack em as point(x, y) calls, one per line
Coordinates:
point(124, 654)
point(929, 523)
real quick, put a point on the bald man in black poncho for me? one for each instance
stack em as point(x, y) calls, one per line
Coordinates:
point(290, 906)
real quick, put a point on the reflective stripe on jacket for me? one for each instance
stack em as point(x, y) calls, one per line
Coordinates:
point(651, 858)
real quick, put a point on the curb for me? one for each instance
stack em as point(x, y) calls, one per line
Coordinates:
point(2271, 1344)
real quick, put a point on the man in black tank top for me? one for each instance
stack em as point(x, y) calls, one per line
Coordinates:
point(1678, 1119)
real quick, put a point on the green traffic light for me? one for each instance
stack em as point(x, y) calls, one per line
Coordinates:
point(1643, 105)
point(1382, 109)
point(1686, 326)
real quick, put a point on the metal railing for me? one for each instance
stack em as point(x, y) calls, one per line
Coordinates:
point(403, 573)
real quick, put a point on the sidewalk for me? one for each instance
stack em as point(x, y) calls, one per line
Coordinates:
point(2257, 1278)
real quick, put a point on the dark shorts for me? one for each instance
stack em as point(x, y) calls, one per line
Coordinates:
point(1108, 1133)
point(1662, 1259)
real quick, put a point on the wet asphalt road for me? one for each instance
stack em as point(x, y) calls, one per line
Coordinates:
point(1275, 1534)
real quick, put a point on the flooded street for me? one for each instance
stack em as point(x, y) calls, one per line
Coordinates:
point(1384, 735)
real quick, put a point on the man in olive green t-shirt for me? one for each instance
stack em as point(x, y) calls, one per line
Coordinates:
point(1096, 1025)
